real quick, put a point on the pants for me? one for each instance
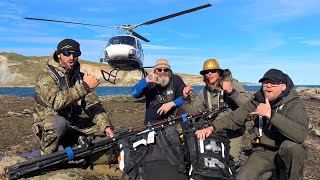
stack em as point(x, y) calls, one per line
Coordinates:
point(262, 161)
point(57, 130)
point(235, 143)
point(235, 148)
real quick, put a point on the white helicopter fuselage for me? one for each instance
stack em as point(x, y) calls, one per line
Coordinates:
point(124, 57)
point(121, 51)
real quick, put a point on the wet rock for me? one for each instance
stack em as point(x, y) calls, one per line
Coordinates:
point(313, 93)
point(8, 161)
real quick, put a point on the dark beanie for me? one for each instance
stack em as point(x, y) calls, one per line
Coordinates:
point(274, 75)
point(68, 44)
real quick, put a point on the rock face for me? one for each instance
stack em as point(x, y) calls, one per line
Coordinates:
point(312, 93)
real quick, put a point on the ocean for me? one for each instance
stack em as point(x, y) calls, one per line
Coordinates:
point(110, 91)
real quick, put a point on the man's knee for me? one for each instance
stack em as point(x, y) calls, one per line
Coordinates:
point(290, 148)
point(59, 124)
point(246, 174)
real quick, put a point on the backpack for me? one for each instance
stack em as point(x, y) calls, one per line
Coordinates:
point(137, 150)
point(209, 158)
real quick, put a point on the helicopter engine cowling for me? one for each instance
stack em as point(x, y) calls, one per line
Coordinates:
point(123, 57)
point(119, 51)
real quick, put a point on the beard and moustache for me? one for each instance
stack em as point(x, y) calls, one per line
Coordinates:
point(164, 80)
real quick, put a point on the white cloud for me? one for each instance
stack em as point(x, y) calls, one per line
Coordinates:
point(269, 44)
point(155, 47)
point(280, 10)
point(32, 39)
point(296, 38)
point(311, 42)
point(10, 11)
point(188, 35)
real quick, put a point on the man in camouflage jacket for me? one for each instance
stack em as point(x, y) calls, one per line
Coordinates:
point(280, 127)
point(62, 93)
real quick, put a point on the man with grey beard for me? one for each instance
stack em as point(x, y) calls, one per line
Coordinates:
point(163, 91)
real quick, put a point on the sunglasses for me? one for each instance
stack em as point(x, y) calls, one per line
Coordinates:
point(272, 84)
point(68, 53)
point(208, 71)
point(165, 70)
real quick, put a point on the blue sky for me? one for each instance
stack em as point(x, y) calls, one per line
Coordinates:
point(247, 36)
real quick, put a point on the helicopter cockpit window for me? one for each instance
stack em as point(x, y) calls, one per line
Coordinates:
point(128, 40)
point(123, 40)
point(114, 40)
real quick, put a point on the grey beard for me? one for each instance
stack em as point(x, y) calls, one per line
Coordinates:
point(164, 81)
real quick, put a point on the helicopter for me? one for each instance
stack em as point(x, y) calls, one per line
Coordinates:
point(124, 52)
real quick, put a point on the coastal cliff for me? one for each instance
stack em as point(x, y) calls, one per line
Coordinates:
point(21, 71)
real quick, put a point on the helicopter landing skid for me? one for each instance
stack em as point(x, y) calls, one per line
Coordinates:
point(110, 74)
point(144, 73)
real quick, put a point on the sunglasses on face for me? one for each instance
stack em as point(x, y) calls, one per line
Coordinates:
point(68, 53)
point(272, 84)
point(209, 71)
point(165, 70)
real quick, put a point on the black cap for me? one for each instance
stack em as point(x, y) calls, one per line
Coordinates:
point(68, 44)
point(274, 75)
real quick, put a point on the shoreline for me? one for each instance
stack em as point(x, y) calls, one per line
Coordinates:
point(253, 84)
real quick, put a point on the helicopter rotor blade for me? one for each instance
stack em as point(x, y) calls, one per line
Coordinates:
point(68, 22)
point(174, 15)
point(139, 36)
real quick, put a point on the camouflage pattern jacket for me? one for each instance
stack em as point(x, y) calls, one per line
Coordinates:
point(59, 93)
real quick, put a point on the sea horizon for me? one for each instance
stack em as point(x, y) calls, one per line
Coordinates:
point(112, 90)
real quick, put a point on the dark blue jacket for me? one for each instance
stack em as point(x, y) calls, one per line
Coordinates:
point(157, 95)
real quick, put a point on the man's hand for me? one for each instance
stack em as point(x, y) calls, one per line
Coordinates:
point(187, 91)
point(227, 86)
point(91, 80)
point(109, 132)
point(165, 108)
point(203, 133)
point(152, 77)
point(263, 109)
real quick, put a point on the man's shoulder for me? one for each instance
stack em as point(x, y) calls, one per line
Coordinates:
point(45, 75)
point(176, 77)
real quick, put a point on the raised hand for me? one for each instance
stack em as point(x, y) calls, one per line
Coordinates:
point(152, 77)
point(263, 109)
point(91, 80)
point(227, 86)
point(187, 91)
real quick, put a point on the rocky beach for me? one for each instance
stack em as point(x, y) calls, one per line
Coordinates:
point(125, 113)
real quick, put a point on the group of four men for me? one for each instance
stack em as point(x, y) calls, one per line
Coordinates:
point(62, 93)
